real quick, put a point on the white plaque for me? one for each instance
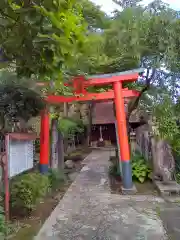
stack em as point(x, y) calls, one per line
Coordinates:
point(20, 156)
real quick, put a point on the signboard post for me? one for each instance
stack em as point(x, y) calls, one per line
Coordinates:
point(18, 158)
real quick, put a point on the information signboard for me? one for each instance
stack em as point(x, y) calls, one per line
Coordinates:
point(20, 153)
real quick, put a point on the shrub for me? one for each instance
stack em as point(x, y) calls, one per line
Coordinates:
point(27, 190)
point(56, 177)
point(2, 221)
point(177, 176)
point(140, 169)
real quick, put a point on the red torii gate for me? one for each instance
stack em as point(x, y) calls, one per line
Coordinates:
point(80, 94)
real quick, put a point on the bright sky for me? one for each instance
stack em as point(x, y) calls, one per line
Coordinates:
point(109, 6)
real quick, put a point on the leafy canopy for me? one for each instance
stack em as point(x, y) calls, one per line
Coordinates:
point(42, 37)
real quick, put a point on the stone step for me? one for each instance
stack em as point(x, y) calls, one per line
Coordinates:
point(168, 189)
point(172, 199)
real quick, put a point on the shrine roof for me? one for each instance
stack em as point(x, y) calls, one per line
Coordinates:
point(103, 113)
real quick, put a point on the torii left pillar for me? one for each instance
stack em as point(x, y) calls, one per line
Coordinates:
point(44, 142)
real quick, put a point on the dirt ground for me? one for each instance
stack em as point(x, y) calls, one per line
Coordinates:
point(146, 188)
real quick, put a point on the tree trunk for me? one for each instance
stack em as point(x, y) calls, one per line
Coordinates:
point(65, 141)
point(65, 109)
point(128, 127)
point(89, 125)
point(60, 151)
point(54, 144)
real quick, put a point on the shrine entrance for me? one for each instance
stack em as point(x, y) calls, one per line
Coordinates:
point(118, 94)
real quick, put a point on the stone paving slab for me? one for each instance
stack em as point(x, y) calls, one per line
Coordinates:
point(170, 216)
point(89, 211)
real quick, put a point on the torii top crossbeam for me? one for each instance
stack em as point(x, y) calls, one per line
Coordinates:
point(80, 85)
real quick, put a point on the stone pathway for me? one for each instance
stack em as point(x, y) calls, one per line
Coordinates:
point(170, 215)
point(88, 211)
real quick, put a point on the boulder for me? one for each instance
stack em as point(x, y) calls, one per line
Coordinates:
point(69, 164)
point(164, 163)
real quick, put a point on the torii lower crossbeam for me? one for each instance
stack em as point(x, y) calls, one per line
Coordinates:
point(91, 96)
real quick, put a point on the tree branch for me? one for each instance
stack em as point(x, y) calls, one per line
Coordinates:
point(3, 14)
point(134, 103)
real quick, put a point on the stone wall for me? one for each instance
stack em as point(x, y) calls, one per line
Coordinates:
point(156, 151)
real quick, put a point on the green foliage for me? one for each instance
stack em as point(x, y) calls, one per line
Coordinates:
point(140, 169)
point(19, 101)
point(141, 172)
point(178, 178)
point(56, 178)
point(166, 121)
point(70, 126)
point(27, 190)
point(136, 33)
point(127, 3)
point(94, 16)
point(167, 127)
point(41, 37)
point(50, 37)
point(2, 220)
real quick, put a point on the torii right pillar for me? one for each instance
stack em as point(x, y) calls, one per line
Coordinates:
point(122, 136)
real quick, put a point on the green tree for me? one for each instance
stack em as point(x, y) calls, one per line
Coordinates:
point(141, 36)
point(41, 37)
point(94, 16)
